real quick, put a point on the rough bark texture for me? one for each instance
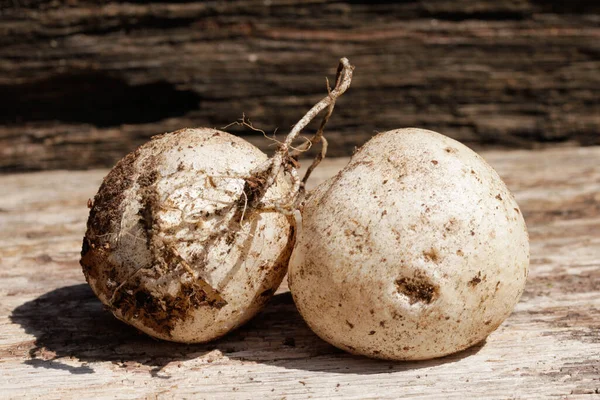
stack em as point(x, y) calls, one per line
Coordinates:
point(83, 82)
point(56, 341)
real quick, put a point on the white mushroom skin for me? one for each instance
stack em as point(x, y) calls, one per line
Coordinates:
point(164, 249)
point(415, 250)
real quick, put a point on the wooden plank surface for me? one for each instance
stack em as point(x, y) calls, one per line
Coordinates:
point(83, 82)
point(56, 341)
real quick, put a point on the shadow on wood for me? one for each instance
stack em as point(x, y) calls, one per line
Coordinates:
point(71, 322)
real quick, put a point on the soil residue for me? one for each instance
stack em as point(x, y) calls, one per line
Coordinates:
point(418, 288)
point(160, 313)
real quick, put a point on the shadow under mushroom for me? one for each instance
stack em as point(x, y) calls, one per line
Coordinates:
point(71, 322)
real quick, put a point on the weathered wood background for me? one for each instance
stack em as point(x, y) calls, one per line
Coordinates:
point(57, 342)
point(82, 82)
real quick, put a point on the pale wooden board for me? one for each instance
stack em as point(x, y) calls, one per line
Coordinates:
point(56, 341)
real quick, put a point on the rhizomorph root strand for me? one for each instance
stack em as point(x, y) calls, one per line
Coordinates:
point(272, 168)
point(318, 136)
point(244, 121)
point(343, 80)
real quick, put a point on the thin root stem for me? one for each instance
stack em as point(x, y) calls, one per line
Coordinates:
point(244, 121)
point(245, 207)
point(283, 156)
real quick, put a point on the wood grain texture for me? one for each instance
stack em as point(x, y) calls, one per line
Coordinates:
point(83, 82)
point(56, 341)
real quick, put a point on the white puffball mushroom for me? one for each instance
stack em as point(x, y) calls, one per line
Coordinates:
point(415, 250)
point(190, 235)
point(168, 248)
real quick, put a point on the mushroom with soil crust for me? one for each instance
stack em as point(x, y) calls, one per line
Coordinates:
point(190, 235)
